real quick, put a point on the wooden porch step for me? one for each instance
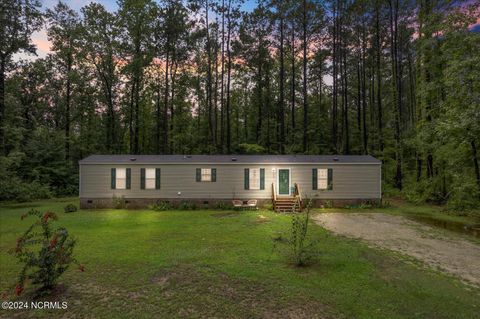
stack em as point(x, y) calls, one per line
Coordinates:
point(285, 204)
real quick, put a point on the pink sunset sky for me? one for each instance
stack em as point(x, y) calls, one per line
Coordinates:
point(40, 38)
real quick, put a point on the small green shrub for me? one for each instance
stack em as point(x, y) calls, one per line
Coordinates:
point(160, 206)
point(70, 208)
point(302, 249)
point(15, 189)
point(268, 206)
point(185, 205)
point(328, 204)
point(223, 206)
point(465, 197)
point(44, 253)
point(119, 202)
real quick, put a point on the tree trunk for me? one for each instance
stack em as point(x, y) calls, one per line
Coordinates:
point(130, 117)
point(359, 98)
point(67, 107)
point(364, 92)
point(158, 148)
point(222, 98)
point(281, 108)
point(475, 161)
point(2, 107)
point(345, 103)
point(335, 80)
point(396, 90)
point(305, 80)
point(379, 76)
point(137, 116)
point(209, 77)
point(165, 104)
point(229, 71)
point(260, 102)
point(293, 82)
point(173, 74)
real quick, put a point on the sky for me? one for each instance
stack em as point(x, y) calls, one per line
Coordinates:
point(40, 38)
point(43, 45)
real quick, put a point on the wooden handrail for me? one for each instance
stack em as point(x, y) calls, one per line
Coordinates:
point(298, 195)
point(274, 195)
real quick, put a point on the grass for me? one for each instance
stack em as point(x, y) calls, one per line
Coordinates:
point(205, 263)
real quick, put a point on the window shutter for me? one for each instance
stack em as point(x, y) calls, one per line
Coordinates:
point(214, 174)
point(330, 179)
point(114, 178)
point(246, 179)
point(157, 178)
point(314, 179)
point(262, 178)
point(129, 178)
point(142, 178)
point(199, 175)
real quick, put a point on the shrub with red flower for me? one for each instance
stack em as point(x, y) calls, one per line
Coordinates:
point(44, 252)
point(18, 290)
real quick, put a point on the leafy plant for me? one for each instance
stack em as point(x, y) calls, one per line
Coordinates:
point(119, 202)
point(301, 247)
point(161, 206)
point(223, 206)
point(44, 253)
point(185, 205)
point(328, 204)
point(70, 208)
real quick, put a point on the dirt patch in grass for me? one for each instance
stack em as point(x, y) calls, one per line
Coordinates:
point(261, 219)
point(451, 254)
point(226, 214)
point(208, 293)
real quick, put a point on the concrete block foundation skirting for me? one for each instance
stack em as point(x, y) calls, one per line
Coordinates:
point(133, 203)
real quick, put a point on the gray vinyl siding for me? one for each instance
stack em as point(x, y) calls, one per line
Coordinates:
point(350, 181)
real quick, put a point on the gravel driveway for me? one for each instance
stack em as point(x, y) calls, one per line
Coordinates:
point(451, 254)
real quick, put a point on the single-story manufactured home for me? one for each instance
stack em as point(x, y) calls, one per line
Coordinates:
point(207, 180)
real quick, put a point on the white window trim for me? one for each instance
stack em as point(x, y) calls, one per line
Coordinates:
point(120, 179)
point(322, 179)
point(204, 174)
point(251, 178)
point(150, 179)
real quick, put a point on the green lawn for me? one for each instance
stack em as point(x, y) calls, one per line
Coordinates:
point(192, 264)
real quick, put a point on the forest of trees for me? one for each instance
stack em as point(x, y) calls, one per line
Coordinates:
point(396, 79)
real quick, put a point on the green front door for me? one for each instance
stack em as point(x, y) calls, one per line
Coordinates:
point(284, 182)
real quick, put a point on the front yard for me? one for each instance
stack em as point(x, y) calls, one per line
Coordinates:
point(207, 263)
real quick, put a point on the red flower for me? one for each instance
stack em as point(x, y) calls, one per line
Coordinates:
point(81, 268)
point(49, 215)
point(18, 290)
point(53, 243)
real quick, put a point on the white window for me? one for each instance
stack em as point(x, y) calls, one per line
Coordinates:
point(150, 178)
point(121, 178)
point(254, 178)
point(206, 175)
point(322, 178)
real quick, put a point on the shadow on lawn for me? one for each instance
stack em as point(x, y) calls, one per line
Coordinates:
point(211, 293)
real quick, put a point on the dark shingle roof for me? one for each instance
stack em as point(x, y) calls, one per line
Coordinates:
point(230, 159)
